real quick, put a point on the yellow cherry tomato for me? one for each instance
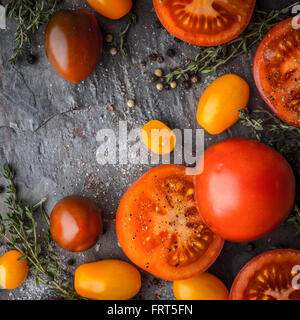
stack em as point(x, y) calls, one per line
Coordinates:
point(220, 103)
point(12, 271)
point(112, 9)
point(202, 287)
point(157, 137)
point(107, 280)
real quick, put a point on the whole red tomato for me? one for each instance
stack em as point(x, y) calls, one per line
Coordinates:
point(73, 43)
point(246, 189)
point(75, 223)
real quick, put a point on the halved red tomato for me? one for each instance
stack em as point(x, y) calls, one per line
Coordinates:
point(160, 229)
point(205, 22)
point(276, 71)
point(273, 275)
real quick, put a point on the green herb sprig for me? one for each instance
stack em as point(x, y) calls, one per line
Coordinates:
point(19, 228)
point(267, 128)
point(131, 20)
point(30, 15)
point(208, 60)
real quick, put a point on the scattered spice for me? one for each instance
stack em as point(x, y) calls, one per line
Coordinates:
point(194, 79)
point(160, 86)
point(31, 59)
point(153, 57)
point(109, 38)
point(131, 103)
point(143, 63)
point(173, 84)
point(171, 53)
point(110, 108)
point(113, 51)
point(251, 247)
point(158, 72)
point(160, 59)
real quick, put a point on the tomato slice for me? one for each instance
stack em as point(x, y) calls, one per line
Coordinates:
point(269, 276)
point(160, 229)
point(205, 22)
point(276, 71)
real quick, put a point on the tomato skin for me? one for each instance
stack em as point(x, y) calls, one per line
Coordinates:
point(145, 238)
point(257, 267)
point(75, 223)
point(278, 80)
point(204, 286)
point(107, 280)
point(246, 189)
point(220, 103)
point(112, 9)
point(198, 21)
point(13, 272)
point(73, 43)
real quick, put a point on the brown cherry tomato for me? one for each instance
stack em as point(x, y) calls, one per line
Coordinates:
point(73, 43)
point(75, 223)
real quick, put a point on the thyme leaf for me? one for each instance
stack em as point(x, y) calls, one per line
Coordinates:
point(131, 20)
point(30, 15)
point(209, 59)
point(19, 228)
point(269, 129)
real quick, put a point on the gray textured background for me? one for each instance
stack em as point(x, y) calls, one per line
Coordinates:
point(48, 128)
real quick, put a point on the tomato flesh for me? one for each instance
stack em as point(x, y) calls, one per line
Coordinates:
point(160, 229)
point(268, 277)
point(277, 71)
point(205, 22)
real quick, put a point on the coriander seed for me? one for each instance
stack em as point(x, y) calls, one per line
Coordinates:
point(194, 79)
point(160, 86)
point(158, 72)
point(131, 103)
point(173, 84)
point(113, 51)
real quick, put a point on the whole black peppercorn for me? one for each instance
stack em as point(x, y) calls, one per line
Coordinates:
point(153, 56)
point(158, 24)
point(186, 84)
point(171, 53)
point(31, 59)
point(251, 246)
point(1, 189)
point(71, 262)
point(160, 59)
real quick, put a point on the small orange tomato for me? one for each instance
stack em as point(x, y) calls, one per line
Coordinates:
point(220, 103)
point(12, 271)
point(73, 43)
point(202, 287)
point(112, 9)
point(107, 280)
point(157, 137)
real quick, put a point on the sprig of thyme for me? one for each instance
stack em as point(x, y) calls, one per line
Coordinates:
point(19, 229)
point(131, 20)
point(208, 60)
point(269, 129)
point(30, 15)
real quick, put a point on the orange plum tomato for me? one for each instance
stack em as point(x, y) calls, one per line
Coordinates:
point(205, 22)
point(13, 271)
point(73, 43)
point(273, 275)
point(75, 223)
point(204, 286)
point(160, 229)
point(220, 103)
point(112, 9)
point(245, 190)
point(157, 137)
point(107, 280)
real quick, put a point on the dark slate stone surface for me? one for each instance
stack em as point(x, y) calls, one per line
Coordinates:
point(48, 132)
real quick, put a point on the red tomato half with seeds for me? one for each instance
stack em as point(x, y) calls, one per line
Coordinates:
point(246, 189)
point(273, 275)
point(73, 43)
point(205, 22)
point(160, 229)
point(276, 71)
